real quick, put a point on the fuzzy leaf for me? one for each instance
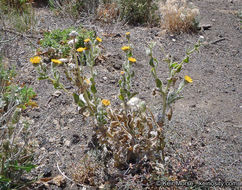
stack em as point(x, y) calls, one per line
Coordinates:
point(93, 89)
point(186, 60)
point(121, 97)
point(152, 62)
point(158, 83)
point(174, 65)
point(76, 98)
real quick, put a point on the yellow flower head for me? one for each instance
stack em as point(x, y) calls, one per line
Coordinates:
point(35, 60)
point(125, 48)
point(127, 35)
point(122, 72)
point(87, 40)
point(132, 60)
point(105, 102)
point(188, 79)
point(81, 49)
point(99, 39)
point(56, 61)
point(87, 81)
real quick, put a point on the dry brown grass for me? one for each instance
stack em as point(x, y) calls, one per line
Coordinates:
point(108, 13)
point(179, 16)
point(88, 172)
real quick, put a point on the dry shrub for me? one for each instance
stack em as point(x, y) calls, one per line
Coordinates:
point(108, 13)
point(89, 171)
point(179, 16)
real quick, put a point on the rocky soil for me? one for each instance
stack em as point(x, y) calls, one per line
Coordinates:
point(206, 126)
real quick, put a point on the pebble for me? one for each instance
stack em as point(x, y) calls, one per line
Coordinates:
point(51, 140)
point(75, 139)
point(117, 66)
point(67, 143)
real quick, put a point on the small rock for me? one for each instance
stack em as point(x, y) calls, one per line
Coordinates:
point(57, 124)
point(47, 172)
point(204, 26)
point(57, 93)
point(113, 81)
point(51, 140)
point(213, 20)
point(166, 159)
point(117, 35)
point(75, 139)
point(173, 39)
point(105, 78)
point(117, 66)
point(67, 143)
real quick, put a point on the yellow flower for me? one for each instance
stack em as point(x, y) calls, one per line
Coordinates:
point(87, 81)
point(188, 79)
point(99, 39)
point(81, 49)
point(105, 102)
point(56, 61)
point(131, 59)
point(87, 40)
point(35, 60)
point(127, 35)
point(125, 48)
point(122, 72)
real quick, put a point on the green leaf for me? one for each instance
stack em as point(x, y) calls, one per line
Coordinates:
point(153, 72)
point(122, 91)
point(158, 83)
point(27, 167)
point(133, 94)
point(186, 60)
point(81, 103)
point(179, 67)
point(155, 60)
point(121, 97)
point(93, 89)
point(92, 80)
point(76, 98)
point(89, 95)
point(174, 65)
point(152, 62)
point(42, 78)
point(120, 82)
point(4, 179)
point(56, 84)
point(132, 74)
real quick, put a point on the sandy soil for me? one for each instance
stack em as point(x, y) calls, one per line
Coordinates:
point(206, 125)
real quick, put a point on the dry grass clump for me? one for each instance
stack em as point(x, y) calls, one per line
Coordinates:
point(108, 12)
point(179, 16)
point(88, 172)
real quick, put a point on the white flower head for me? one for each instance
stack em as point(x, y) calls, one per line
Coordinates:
point(201, 38)
point(73, 34)
point(136, 104)
point(81, 97)
point(71, 42)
